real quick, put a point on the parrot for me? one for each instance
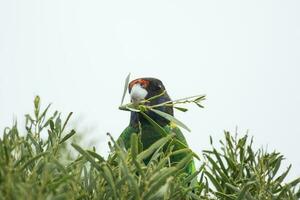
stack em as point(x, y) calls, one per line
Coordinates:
point(142, 89)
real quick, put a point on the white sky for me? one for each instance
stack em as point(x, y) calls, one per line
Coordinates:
point(243, 54)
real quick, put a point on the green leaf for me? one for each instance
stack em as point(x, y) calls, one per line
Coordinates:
point(283, 175)
point(97, 156)
point(52, 126)
point(171, 118)
point(37, 102)
point(44, 112)
point(181, 109)
point(65, 123)
point(214, 181)
point(159, 143)
point(199, 105)
point(68, 136)
point(134, 145)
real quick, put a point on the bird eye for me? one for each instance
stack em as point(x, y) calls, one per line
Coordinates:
point(159, 87)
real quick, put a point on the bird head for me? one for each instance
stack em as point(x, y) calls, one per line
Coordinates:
point(144, 88)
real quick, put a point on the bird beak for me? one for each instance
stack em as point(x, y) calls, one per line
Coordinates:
point(138, 93)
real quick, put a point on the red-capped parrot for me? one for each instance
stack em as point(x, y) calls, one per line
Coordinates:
point(145, 88)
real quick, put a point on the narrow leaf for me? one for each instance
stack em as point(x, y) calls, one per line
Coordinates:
point(171, 118)
point(181, 109)
point(68, 136)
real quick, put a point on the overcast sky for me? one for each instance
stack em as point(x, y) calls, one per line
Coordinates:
point(244, 55)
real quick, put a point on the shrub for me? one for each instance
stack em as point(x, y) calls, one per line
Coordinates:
point(36, 167)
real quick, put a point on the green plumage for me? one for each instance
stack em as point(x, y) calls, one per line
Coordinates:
point(149, 135)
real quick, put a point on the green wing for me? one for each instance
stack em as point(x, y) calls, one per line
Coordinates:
point(126, 135)
point(190, 168)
